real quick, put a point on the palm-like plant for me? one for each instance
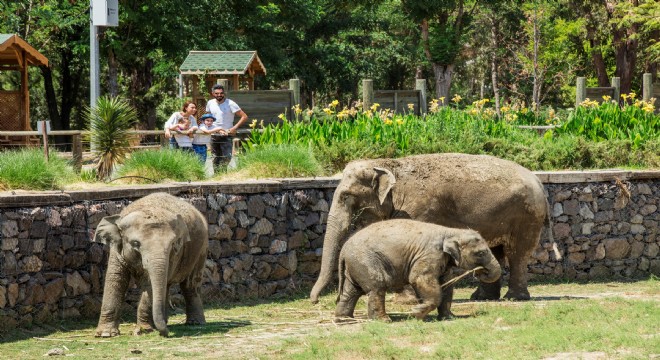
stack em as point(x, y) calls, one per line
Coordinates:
point(110, 123)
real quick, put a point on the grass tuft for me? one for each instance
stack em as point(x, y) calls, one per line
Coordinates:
point(149, 166)
point(279, 161)
point(28, 169)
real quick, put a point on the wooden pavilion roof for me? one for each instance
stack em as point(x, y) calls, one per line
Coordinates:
point(13, 48)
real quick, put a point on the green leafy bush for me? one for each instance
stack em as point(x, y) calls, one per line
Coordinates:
point(153, 166)
point(28, 169)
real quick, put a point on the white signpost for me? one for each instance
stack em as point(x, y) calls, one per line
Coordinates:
point(102, 13)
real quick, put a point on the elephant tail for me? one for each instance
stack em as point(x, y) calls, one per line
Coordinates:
point(551, 238)
point(342, 278)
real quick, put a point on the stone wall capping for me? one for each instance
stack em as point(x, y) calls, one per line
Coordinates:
point(22, 198)
point(584, 176)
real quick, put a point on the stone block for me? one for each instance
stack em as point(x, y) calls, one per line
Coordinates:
point(557, 210)
point(571, 207)
point(9, 244)
point(9, 229)
point(585, 212)
point(277, 247)
point(616, 249)
point(562, 195)
point(262, 227)
point(648, 210)
point(256, 206)
point(652, 250)
point(637, 229)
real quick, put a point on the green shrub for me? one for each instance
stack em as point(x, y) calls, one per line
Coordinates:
point(149, 166)
point(286, 160)
point(28, 169)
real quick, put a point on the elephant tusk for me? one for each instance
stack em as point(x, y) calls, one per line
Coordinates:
point(459, 277)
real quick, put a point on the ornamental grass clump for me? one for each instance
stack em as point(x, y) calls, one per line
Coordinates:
point(278, 161)
point(28, 169)
point(153, 166)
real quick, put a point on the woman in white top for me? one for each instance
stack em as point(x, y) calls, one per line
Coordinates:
point(189, 109)
point(202, 138)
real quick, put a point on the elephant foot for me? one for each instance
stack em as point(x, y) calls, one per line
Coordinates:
point(196, 321)
point(106, 332)
point(520, 295)
point(344, 319)
point(142, 329)
point(486, 293)
point(446, 315)
point(384, 318)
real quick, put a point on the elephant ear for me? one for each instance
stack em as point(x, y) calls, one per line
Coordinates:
point(451, 248)
point(182, 232)
point(107, 232)
point(382, 182)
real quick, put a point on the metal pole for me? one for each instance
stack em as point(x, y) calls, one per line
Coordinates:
point(94, 87)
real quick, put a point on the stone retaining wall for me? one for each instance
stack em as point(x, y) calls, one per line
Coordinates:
point(266, 238)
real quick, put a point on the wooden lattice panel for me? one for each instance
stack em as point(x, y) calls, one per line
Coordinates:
point(10, 111)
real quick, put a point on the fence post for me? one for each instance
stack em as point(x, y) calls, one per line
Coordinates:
point(580, 91)
point(294, 84)
point(367, 94)
point(616, 84)
point(76, 152)
point(420, 84)
point(647, 86)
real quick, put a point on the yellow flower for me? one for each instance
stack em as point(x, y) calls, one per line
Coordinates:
point(632, 95)
point(310, 112)
point(296, 109)
point(388, 122)
point(281, 116)
point(261, 123)
point(442, 99)
point(411, 106)
point(457, 98)
point(606, 98)
point(505, 109)
point(253, 124)
point(375, 107)
point(399, 121)
point(624, 96)
point(334, 103)
point(524, 110)
point(327, 111)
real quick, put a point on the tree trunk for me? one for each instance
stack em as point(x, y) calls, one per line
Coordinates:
point(536, 88)
point(144, 100)
point(443, 80)
point(51, 98)
point(113, 69)
point(625, 47)
point(493, 63)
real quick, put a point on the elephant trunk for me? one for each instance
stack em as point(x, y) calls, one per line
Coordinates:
point(492, 271)
point(336, 231)
point(158, 277)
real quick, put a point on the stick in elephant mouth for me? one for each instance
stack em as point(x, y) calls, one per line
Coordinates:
point(459, 277)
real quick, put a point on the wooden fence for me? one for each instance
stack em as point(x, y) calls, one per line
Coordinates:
point(649, 90)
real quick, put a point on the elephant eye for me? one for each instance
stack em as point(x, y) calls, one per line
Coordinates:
point(135, 244)
point(481, 253)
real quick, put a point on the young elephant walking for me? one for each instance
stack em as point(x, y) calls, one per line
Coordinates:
point(160, 240)
point(388, 255)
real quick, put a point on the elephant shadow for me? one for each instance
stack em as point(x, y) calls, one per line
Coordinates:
point(211, 327)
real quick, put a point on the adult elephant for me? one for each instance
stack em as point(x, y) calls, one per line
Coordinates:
point(500, 199)
point(160, 240)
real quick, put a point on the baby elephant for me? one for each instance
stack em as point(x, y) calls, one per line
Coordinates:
point(391, 254)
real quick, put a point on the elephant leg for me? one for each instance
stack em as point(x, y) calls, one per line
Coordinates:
point(191, 294)
point(491, 291)
point(116, 282)
point(444, 309)
point(350, 294)
point(376, 305)
point(145, 319)
point(518, 259)
point(428, 290)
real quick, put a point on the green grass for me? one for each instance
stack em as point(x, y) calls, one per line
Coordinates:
point(278, 161)
point(618, 320)
point(149, 166)
point(28, 169)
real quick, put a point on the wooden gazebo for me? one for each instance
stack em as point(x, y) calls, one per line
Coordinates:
point(237, 69)
point(16, 55)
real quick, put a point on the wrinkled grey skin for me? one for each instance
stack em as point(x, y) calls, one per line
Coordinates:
point(500, 199)
point(388, 255)
point(159, 240)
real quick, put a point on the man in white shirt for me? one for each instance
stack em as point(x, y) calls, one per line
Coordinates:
point(224, 110)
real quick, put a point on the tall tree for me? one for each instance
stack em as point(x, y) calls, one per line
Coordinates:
point(442, 24)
